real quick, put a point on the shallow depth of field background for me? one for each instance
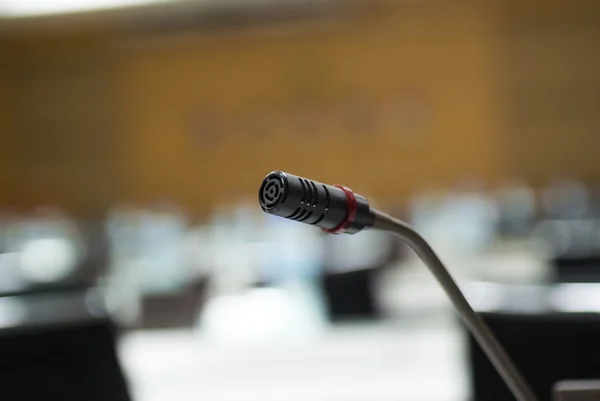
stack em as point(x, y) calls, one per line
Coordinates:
point(133, 141)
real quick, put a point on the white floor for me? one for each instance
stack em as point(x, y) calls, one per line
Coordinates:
point(414, 359)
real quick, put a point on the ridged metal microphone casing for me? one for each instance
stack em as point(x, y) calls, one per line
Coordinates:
point(311, 202)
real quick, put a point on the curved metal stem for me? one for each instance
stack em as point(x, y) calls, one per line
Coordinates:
point(486, 339)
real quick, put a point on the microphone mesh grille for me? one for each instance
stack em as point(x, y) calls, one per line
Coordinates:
point(272, 191)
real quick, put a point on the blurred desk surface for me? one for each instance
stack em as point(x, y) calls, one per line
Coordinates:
point(412, 360)
point(543, 299)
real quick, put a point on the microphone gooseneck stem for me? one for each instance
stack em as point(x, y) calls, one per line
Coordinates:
point(480, 331)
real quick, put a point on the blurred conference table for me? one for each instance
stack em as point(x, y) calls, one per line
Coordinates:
point(419, 353)
point(416, 359)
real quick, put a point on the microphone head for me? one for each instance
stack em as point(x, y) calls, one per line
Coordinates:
point(335, 209)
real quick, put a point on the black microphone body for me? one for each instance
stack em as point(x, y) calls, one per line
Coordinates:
point(335, 209)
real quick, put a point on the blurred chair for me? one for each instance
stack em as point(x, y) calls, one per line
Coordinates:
point(351, 265)
point(58, 347)
point(577, 268)
point(550, 332)
point(151, 279)
point(574, 247)
point(566, 199)
point(178, 309)
point(517, 210)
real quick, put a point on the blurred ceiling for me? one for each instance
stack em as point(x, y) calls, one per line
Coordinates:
point(30, 8)
point(18, 9)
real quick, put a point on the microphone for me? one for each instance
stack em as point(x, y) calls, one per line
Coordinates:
point(335, 209)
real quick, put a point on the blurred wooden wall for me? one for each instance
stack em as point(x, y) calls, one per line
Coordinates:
point(390, 100)
point(61, 122)
point(551, 53)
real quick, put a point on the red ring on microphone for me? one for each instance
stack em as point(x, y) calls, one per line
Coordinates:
point(350, 212)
